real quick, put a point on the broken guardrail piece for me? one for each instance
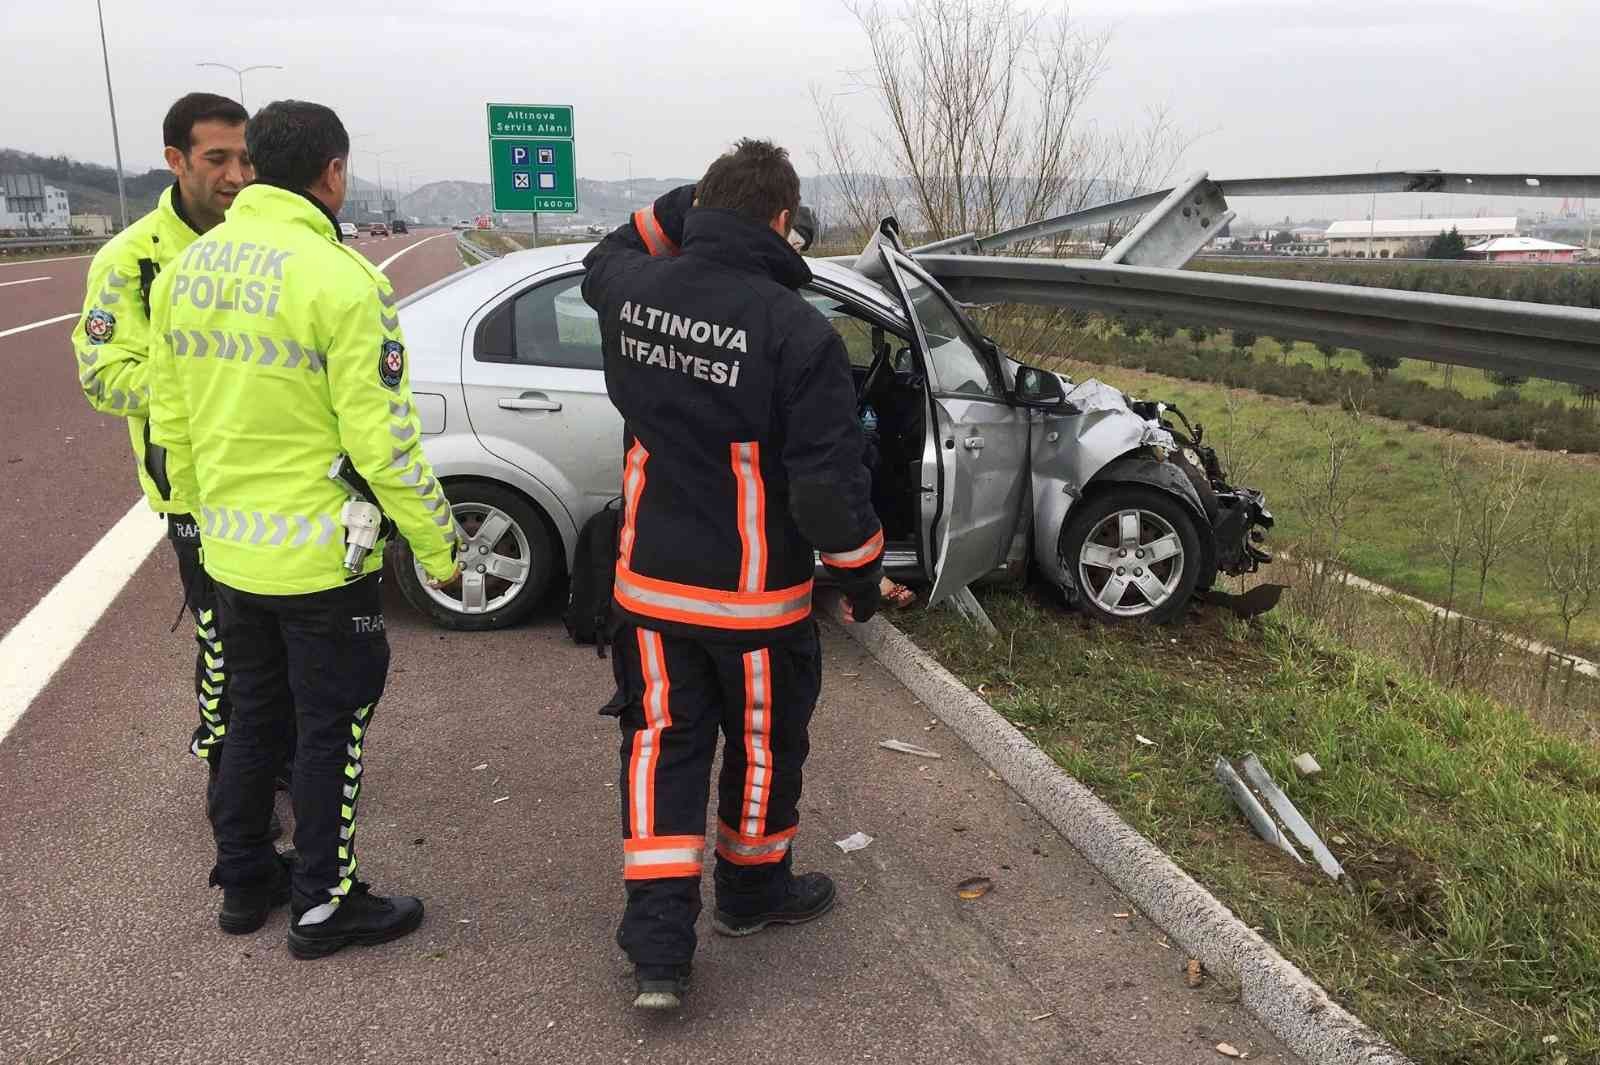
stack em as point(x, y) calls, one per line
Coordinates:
point(1285, 809)
point(1253, 811)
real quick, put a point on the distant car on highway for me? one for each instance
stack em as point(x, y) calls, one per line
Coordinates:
point(348, 230)
point(399, 226)
point(379, 229)
point(462, 223)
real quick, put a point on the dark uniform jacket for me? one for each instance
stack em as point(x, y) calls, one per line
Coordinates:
point(742, 454)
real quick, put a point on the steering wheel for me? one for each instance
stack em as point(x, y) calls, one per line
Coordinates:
point(875, 372)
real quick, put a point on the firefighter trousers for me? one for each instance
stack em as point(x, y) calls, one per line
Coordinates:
point(675, 695)
point(307, 671)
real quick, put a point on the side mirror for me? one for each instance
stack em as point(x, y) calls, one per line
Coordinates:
point(1039, 388)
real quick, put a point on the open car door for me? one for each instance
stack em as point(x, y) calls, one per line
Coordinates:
point(977, 458)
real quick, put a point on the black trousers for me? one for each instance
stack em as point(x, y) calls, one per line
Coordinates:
point(675, 695)
point(210, 669)
point(305, 670)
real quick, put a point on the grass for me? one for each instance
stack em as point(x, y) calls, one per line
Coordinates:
point(1388, 538)
point(1471, 837)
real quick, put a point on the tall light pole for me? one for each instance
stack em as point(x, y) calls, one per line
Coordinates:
point(239, 72)
point(111, 102)
point(629, 156)
point(379, 156)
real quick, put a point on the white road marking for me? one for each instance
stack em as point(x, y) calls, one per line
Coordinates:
point(40, 262)
point(25, 281)
point(385, 264)
point(36, 325)
point(36, 647)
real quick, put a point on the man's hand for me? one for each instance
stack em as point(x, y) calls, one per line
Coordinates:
point(861, 598)
point(450, 583)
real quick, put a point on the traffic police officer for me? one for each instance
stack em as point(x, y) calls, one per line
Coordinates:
point(279, 349)
point(742, 456)
point(205, 150)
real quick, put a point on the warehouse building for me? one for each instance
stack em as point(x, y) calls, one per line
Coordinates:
point(1391, 238)
point(1524, 250)
point(28, 205)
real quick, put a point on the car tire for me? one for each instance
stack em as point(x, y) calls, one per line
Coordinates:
point(526, 539)
point(1094, 534)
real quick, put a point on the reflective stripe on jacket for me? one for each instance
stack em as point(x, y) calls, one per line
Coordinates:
point(278, 348)
point(112, 337)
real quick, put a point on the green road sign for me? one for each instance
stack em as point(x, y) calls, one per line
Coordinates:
point(532, 159)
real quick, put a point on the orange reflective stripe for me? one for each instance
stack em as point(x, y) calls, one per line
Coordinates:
point(632, 489)
point(650, 231)
point(864, 555)
point(757, 741)
point(662, 856)
point(742, 849)
point(647, 741)
point(685, 603)
point(752, 508)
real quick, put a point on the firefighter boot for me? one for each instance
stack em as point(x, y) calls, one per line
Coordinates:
point(245, 909)
point(791, 900)
point(361, 919)
point(661, 987)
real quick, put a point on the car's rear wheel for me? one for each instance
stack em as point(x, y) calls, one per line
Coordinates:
point(1134, 553)
point(509, 558)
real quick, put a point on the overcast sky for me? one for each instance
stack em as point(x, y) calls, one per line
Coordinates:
point(1292, 86)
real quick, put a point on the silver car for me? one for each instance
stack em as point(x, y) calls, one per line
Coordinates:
point(980, 465)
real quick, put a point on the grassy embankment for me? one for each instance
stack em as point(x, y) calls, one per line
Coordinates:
point(1472, 838)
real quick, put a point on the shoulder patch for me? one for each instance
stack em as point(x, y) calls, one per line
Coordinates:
point(391, 363)
point(100, 326)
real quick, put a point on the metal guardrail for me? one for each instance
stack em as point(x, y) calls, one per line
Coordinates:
point(10, 244)
point(476, 252)
point(1529, 339)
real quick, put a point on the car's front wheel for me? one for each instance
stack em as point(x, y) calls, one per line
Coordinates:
point(509, 560)
point(1134, 553)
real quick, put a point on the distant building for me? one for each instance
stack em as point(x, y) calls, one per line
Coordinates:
point(28, 205)
point(92, 225)
point(1389, 238)
point(1524, 250)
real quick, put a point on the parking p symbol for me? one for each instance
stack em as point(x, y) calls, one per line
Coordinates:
point(519, 156)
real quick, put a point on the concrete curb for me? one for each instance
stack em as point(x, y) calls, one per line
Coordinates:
point(1287, 1001)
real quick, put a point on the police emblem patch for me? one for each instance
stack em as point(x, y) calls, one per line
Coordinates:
point(391, 363)
point(100, 326)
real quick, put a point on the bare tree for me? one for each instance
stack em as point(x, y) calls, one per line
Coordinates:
point(1570, 538)
point(1501, 513)
point(1330, 491)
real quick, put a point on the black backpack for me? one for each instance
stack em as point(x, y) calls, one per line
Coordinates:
point(593, 571)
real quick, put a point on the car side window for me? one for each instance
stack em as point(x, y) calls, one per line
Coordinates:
point(957, 365)
point(549, 325)
point(856, 333)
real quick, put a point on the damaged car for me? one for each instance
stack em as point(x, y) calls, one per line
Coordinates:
point(982, 466)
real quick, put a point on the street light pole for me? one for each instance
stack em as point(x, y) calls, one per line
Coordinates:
point(239, 72)
point(111, 102)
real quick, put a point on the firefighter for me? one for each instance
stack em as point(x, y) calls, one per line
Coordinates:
point(204, 137)
point(742, 455)
point(277, 350)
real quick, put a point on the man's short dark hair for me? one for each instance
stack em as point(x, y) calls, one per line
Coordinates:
point(177, 129)
point(756, 180)
point(291, 142)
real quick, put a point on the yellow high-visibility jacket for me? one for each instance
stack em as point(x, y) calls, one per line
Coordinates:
point(112, 337)
point(276, 348)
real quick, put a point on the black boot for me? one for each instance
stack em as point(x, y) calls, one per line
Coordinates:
point(245, 909)
point(274, 826)
point(794, 900)
point(661, 987)
point(362, 919)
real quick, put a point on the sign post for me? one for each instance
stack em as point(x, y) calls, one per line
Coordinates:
point(532, 159)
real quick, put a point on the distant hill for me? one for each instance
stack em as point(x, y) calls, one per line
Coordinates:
point(91, 188)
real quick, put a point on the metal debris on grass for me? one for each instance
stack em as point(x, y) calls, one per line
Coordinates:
point(1257, 815)
point(1258, 775)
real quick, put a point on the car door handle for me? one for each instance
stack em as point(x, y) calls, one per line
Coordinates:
point(973, 443)
point(529, 401)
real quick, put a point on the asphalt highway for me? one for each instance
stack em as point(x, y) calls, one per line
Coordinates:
point(491, 792)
